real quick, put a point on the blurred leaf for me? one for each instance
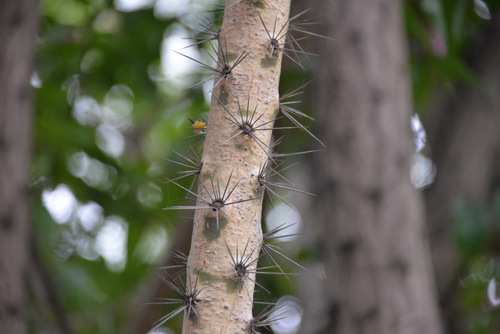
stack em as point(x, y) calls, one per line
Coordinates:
point(472, 227)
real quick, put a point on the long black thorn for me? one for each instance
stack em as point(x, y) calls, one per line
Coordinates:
point(222, 68)
point(190, 207)
point(272, 234)
point(269, 246)
point(262, 180)
point(282, 155)
point(192, 161)
point(290, 112)
point(275, 37)
point(297, 91)
point(298, 25)
point(291, 45)
point(270, 172)
point(189, 298)
point(276, 155)
point(180, 259)
point(209, 29)
point(267, 252)
point(266, 172)
point(276, 43)
point(266, 317)
point(218, 199)
point(227, 69)
point(202, 139)
point(241, 263)
point(248, 126)
point(287, 111)
point(242, 267)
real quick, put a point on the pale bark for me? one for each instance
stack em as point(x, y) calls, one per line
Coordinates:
point(226, 306)
point(18, 24)
point(378, 266)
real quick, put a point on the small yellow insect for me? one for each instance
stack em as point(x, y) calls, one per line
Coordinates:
point(199, 126)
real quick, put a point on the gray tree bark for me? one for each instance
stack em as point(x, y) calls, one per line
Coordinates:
point(18, 25)
point(374, 243)
point(464, 137)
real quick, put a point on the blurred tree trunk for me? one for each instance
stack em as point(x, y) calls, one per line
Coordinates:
point(464, 135)
point(374, 242)
point(18, 25)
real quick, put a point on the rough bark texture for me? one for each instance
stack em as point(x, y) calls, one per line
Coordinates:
point(378, 266)
point(226, 305)
point(18, 24)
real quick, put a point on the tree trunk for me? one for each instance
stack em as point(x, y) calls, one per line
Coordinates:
point(227, 225)
point(463, 135)
point(374, 244)
point(18, 25)
point(463, 138)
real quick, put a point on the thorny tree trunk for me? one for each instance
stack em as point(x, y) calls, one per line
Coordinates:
point(378, 267)
point(226, 305)
point(18, 24)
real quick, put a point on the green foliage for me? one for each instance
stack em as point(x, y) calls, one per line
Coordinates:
point(442, 35)
point(99, 75)
point(472, 227)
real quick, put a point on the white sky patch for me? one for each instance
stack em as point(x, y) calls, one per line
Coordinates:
point(93, 172)
point(150, 194)
point(152, 245)
point(85, 247)
point(289, 314)
point(492, 293)
point(111, 243)
point(91, 216)
point(132, 5)
point(87, 111)
point(174, 66)
point(162, 330)
point(60, 203)
point(284, 214)
point(117, 107)
point(170, 8)
point(423, 171)
point(207, 91)
point(110, 140)
point(35, 81)
point(482, 10)
point(420, 136)
point(110, 118)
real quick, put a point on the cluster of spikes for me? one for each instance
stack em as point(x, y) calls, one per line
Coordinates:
point(269, 180)
point(188, 295)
